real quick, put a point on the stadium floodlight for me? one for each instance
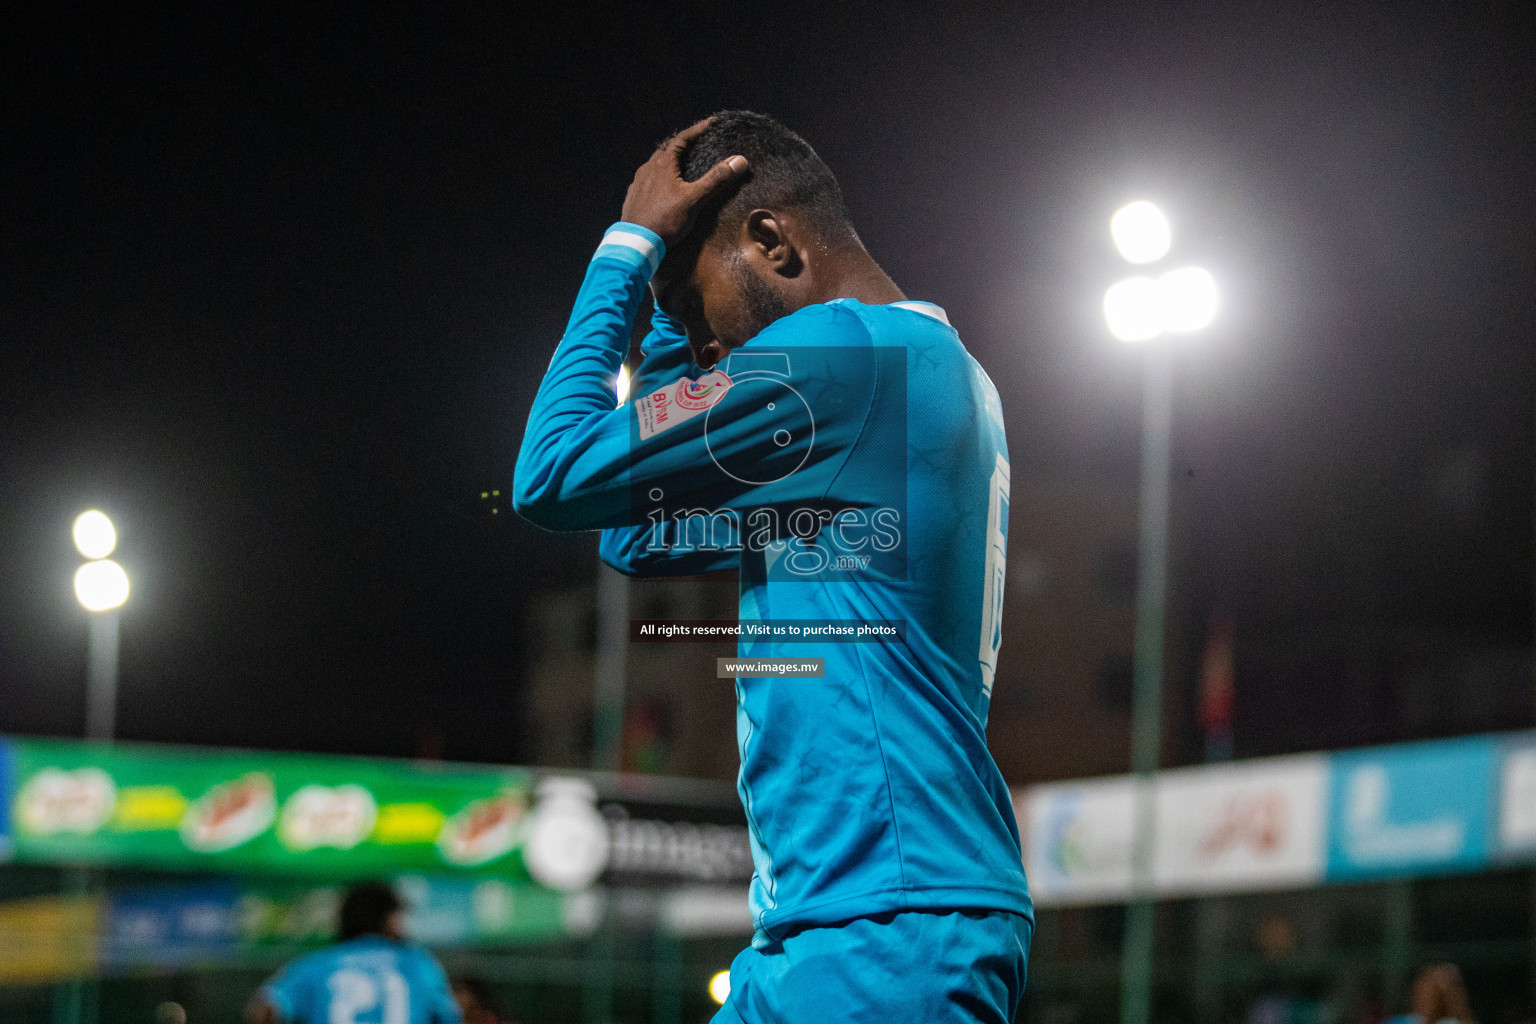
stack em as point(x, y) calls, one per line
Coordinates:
point(94, 535)
point(1140, 308)
point(1186, 299)
point(720, 987)
point(1133, 309)
point(621, 385)
point(101, 585)
point(1141, 232)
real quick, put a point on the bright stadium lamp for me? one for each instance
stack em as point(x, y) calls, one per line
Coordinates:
point(101, 585)
point(1133, 309)
point(1141, 232)
point(1186, 299)
point(1139, 308)
point(720, 987)
point(94, 534)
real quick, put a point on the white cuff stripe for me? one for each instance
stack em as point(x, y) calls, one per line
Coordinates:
point(639, 243)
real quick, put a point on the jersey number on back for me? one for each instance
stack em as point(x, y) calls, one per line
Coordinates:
point(354, 993)
point(996, 567)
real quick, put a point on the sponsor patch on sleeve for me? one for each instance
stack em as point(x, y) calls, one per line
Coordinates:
point(679, 401)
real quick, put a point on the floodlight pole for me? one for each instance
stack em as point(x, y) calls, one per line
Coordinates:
point(77, 999)
point(1147, 694)
point(101, 676)
point(608, 674)
point(607, 756)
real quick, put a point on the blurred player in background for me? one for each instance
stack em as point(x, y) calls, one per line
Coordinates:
point(1439, 996)
point(370, 976)
point(476, 1002)
point(796, 418)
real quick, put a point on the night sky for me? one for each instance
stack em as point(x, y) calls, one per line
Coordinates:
point(278, 288)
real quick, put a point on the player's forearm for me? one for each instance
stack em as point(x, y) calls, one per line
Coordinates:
point(578, 386)
point(671, 549)
point(666, 356)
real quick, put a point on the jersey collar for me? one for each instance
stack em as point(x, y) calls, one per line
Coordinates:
point(928, 309)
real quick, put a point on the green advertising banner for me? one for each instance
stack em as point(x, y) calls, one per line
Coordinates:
point(208, 810)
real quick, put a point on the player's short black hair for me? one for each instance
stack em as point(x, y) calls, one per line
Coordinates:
point(784, 171)
point(365, 910)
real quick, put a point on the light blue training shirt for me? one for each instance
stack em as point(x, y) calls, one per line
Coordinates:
point(850, 461)
point(368, 980)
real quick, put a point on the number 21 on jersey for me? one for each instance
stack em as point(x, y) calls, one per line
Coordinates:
point(355, 993)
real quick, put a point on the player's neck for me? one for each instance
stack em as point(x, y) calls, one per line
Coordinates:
point(855, 275)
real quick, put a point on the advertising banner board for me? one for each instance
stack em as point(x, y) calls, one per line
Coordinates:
point(307, 816)
point(6, 789)
point(1434, 807)
point(1517, 798)
point(186, 808)
point(46, 938)
point(1415, 808)
point(1249, 825)
point(170, 926)
point(1077, 840)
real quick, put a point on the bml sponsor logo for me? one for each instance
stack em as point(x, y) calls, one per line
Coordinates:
point(1372, 835)
point(1411, 809)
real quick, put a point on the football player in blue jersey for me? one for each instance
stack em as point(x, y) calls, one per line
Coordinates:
point(370, 976)
point(795, 417)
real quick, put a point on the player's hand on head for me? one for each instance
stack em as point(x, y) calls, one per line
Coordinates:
point(661, 200)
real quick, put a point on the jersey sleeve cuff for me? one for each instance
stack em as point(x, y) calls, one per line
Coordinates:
point(633, 245)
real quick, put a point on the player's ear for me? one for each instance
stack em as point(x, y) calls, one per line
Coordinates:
point(765, 233)
point(768, 235)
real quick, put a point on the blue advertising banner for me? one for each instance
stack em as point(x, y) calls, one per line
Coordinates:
point(1411, 809)
point(5, 800)
point(170, 926)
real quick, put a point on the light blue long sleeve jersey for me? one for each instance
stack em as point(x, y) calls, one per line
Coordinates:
point(368, 980)
point(850, 460)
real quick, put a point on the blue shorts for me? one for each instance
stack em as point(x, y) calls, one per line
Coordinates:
point(911, 965)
